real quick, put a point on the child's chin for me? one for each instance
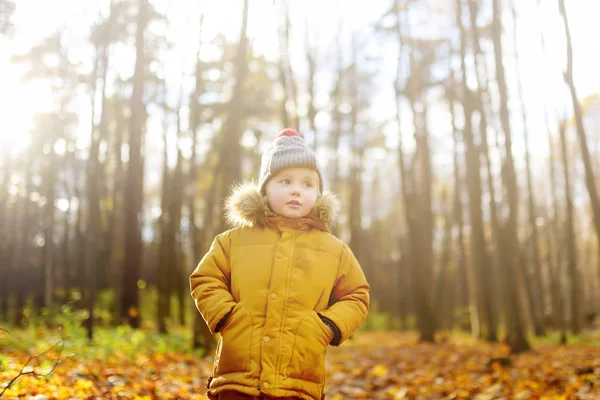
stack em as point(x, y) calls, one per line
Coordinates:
point(297, 214)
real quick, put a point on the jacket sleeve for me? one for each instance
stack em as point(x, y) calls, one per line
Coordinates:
point(349, 298)
point(210, 283)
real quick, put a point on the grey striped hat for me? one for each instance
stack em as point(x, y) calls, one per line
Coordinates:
point(287, 151)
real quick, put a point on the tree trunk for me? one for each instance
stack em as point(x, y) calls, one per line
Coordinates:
point(590, 181)
point(11, 267)
point(286, 74)
point(201, 336)
point(311, 112)
point(492, 275)
point(513, 296)
point(406, 245)
point(179, 277)
point(421, 223)
point(569, 233)
point(356, 167)
point(135, 178)
point(48, 249)
point(80, 244)
point(554, 255)
point(104, 236)
point(67, 246)
point(162, 272)
point(423, 229)
point(443, 303)
point(169, 272)
point(114, 233)
point(7, 233)
point(12, 278)
point(337, 120)
point(480, 256)
point(464, 290)
point(66, 261)
point(93, 176)
point(228, 169)
point(91, 234)
point(534, 272)
point(23, 250)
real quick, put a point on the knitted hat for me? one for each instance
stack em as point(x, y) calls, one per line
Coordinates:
point(287, 151)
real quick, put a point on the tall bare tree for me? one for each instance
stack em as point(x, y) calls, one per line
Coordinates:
point(464, 289)
point(311, 111)
point(590, 180)
point(135, 178)
point(421, 58)
point(483, 108)
point(337, 96)
point(228, 169)
point(569, 236)
point(515, 328)
point(554, 254)
point(102, 37)
point(201, 334)
point(442, 301)
point(406, 260)
point(358, 147)
point(554, 249)
point(162, 270)
point(533, 270)
point(7, 213)
point(286, 73)
point(479, 251)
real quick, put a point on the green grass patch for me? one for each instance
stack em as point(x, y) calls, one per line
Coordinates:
point(65, 325)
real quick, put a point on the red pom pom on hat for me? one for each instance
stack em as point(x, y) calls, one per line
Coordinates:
point(288, 132)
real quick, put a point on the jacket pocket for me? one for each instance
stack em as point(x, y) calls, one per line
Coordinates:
point(308, 353)
point(233, 351)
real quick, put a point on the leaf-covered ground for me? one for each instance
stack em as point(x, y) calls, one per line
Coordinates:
point(371, 366)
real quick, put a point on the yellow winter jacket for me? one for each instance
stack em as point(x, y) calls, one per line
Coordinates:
point(269, 287)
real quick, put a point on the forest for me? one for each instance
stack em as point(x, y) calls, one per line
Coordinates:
point(461, 136)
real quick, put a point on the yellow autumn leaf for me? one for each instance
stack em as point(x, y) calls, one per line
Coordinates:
point(380, 370)
point(83, 384)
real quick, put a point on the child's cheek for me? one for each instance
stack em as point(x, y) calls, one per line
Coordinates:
point(276, 200)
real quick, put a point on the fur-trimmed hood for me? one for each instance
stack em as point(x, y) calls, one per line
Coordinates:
point(246, 206)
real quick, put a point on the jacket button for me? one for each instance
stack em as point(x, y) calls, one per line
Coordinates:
point(266, 385)
point(273, 296)
point(266, 339)
point(279, 255)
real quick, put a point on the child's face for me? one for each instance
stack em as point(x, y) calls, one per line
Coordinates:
point(293, 192)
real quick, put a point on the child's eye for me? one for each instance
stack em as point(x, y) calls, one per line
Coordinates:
point(307, 185)
point(285, 181)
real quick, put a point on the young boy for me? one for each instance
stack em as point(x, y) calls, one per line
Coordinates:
point(279, 288)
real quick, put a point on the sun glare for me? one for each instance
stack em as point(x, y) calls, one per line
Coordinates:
point(19, 101)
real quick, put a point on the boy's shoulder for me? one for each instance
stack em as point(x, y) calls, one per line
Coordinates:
point(328, 242)
point(324, 235)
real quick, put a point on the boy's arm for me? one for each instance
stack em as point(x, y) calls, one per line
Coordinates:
point(349, 298)
point(210, 282)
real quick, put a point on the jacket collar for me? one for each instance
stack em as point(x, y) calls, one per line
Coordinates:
point(246, 206)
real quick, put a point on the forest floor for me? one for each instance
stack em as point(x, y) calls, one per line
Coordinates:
point(372, 365)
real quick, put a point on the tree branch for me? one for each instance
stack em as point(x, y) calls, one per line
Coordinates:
point(60, 345)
